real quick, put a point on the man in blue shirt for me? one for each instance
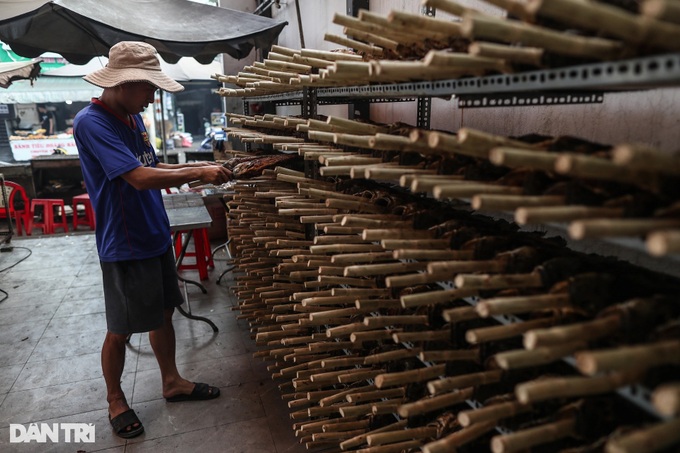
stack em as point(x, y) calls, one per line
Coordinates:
point(123, 178)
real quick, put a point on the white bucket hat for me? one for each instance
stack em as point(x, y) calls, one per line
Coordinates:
point(133, 61)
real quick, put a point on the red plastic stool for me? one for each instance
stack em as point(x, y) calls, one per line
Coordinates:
point(201, 252)
point(88, 216)
point(49, 221)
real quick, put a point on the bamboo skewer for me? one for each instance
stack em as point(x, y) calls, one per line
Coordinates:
point(538, 356)
point(492, 413)
point(401, 435)
point(650, 439)
point(662, 243)
point(442, 58)
point(522, 55)
point(621, 358)
point(501, 202)
point(423, 22)
point(502, 281)
point(521, 304)
point(476, 26)
point(360, 439)
point(530, 437)
point(405, 377)
point(546, 214)
point(612, 20)
point(354, 44)
point(593, 228)
point(642, 157)
point(667, 10)
point(585, 331)
point(666, 399)
point(459, 438)
point(495, 333)
point(467, 380)
point(554, 388)
point(434, 403)
point(450, 6)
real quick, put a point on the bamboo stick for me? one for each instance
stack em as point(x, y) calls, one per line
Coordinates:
point(456, 59)
point(353, 44)
point(644, 157)
point(567, 387)
point(458, 438)
point(448, 384)
point(406, 377)
point(361, 439)
point(494, 333)
point(611, 20)
point(530, 437)
point(666, 399)
point(503, 281)
point(433, 403)
point(667, 10)
point(450, 6)
point(521, 304)
point(662, 243)
point(624, 357)
point(431, 255)
point(476, 26)
point(445, 27)
point(583, 331)
point(366, 270)
point(515, 54)
point(472, 189)
point(546, 214)
point(539, 356)
point(500, 202)
point(592, 228)
point(470, 355)
point(492, 413)
point(363, 396)
point(401, 435)
point(522, 157)
point(650, 439)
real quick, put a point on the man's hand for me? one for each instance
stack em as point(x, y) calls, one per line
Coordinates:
point(215, 174)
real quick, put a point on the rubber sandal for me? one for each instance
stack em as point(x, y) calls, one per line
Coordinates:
point(199, 393)
point(127, 419)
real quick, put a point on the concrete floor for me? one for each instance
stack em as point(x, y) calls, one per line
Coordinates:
point(52, 326)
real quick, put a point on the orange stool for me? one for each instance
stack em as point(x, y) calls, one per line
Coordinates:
point(49, 223)
point(201, 253)
point(88, 216)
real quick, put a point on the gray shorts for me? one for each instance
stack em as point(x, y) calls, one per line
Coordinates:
point(136, 292)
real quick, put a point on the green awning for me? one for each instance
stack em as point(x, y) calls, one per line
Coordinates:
point(49, 62)
point(49, 89)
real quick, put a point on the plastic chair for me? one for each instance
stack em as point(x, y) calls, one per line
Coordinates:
point(19, 212)
point(88, 213)
point(201, 253)
point(48, 223)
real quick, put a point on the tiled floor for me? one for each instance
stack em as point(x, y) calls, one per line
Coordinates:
point(51, 329)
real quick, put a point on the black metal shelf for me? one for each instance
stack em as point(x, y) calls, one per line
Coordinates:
point(637, 394)
point(625, 75)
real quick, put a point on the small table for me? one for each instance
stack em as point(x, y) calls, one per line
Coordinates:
point(187, 212)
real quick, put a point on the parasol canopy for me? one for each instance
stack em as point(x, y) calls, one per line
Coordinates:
point(20, 70)
point(185, 69)
point(82, 29)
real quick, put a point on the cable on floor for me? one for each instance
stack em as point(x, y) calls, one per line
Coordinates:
point(30, 252)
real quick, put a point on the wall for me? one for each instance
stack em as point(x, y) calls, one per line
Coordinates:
point(648, 116)
point(232, 65)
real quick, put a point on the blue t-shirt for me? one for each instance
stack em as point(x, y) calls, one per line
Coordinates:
point(131, 224)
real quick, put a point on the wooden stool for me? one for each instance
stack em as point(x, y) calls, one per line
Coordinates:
point(88, 215)
point(201, 253)
point(48, 223)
